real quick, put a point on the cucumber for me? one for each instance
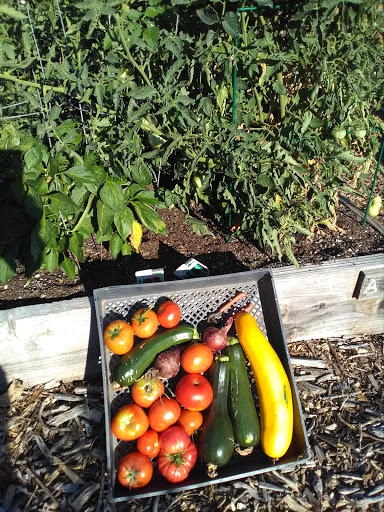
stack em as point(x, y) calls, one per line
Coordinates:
point(216, 439)
point(241, 406)
point(133, 364)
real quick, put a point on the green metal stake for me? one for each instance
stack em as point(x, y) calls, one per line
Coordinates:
point(374, 181)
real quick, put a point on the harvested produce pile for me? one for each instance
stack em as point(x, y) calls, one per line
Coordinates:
point(340, 382)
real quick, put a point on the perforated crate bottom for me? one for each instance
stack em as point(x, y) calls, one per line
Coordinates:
point(196, 299)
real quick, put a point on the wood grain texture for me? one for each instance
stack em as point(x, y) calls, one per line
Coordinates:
point(59, 340)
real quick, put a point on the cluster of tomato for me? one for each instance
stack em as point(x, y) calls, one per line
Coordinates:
point(162, 426)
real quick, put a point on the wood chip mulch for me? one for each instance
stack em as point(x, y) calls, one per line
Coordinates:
point(52, 444)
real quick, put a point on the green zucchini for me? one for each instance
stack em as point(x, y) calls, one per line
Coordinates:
point(133, 364)
point(216, 439)
point(241, 406)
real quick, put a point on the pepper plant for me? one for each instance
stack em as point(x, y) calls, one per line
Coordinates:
point(100, 100)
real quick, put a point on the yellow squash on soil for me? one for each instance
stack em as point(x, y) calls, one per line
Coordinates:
point(273, 388)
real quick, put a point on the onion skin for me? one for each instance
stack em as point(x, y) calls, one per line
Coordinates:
point(215, 338)
point(168, 363)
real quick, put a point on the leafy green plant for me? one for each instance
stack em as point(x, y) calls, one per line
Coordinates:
point(100, 97)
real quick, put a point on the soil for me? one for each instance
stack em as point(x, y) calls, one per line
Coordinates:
point(346, 239)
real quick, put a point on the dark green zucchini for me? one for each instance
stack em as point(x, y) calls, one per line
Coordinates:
point(133, 364)
point(216, 439)
point(241, 406)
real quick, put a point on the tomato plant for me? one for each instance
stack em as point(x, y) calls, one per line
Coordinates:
point(146, 390)
point(196, 358)
point(118, 337)
point(194, 392)
point(190, 420)
point(144, 323)
point(129, 423)
point(59, 185)
point(174, 439)
point(135, 470)
point(169, 314)
point(163, 413)
point(175, 467)
point(148, 443)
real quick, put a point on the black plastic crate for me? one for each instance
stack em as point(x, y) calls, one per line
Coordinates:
point(196, 299)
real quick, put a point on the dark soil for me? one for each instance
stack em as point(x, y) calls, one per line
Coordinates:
point(169, 251)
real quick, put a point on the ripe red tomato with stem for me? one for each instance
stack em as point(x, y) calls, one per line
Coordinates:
point(147, 390)
point(118, 337)
point(169, 314)
point(196, 358)
point(129, 423)
point(144, 323)
point(163, 413)
point(194, 392)
point(175, 467)
point(148, 443)
point(190, 421)
point(174, 439)
point(135, 470)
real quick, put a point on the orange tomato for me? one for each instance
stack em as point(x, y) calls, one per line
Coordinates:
point(190, 420)
point(118, 337)
point(196, 358)
point(144, 323)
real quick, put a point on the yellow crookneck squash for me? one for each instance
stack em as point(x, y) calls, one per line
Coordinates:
point(273, 388)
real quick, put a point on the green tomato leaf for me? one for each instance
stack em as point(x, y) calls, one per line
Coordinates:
point(199, 227)
point(126, 249)
point(40, 237)
point(61, 203)
point(141, 174)
point(143, 93)
point(149, 218)
point(69, 267)
point(151, 37)
point(307, 118)
point(81, 175)
point(8, 262)
point(116, 244)
point(104, 217)
point(208, 15)
point(76, 246)
point(12, 13)
point(112, 195)
point(34, 157)
point(123, 222)
point(231, 24)
point(51, 260)
point(33, 204)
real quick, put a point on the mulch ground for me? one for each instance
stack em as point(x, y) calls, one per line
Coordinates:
point(52, 444)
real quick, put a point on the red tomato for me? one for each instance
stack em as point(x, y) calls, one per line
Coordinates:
point(174, 439)
point(148, 444)
point(169, 314)
point(163, 413)
point(135, 470)
point(176, 467)
point(147, 390)
point(129, 423)
point(144, 323)
point(190, 420)
point(118, 337)
point(196, 358)
point(194, 392)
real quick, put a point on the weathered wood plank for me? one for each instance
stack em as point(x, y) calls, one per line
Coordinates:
point(317, 301)
point(59, 340)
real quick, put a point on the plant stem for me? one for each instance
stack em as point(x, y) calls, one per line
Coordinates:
point(259, 106)
point(243, 21)
point(84, 214)
point(281, 96)
point(129, 55)
point(7, 76)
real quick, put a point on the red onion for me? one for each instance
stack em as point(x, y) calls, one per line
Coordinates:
point(168, 363)
point(215, 338)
